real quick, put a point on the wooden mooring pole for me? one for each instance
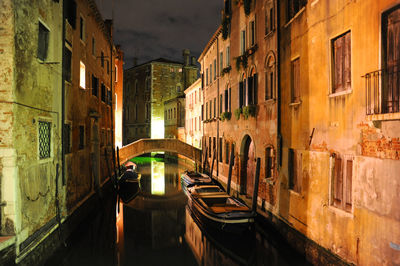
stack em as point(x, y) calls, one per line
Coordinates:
point(255, 192)
point(231, 161)
point(212, 164)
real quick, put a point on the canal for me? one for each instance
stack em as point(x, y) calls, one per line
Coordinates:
point(157, 228)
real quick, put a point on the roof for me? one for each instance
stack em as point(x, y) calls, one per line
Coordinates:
point(195, 84)
point(210, 42)
point(158, 60)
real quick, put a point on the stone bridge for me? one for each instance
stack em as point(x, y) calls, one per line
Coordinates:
point(143, 146)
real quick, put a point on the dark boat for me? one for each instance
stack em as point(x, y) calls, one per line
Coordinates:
point(129, 184)
point(216, 209)
point(191, 178)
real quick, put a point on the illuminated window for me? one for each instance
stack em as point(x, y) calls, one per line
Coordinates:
point(82, 75)
point(43, 42)
point(44, 139)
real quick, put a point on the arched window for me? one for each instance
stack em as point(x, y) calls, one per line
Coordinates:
point(251, 95)
point(270, 77)
point(242, 91)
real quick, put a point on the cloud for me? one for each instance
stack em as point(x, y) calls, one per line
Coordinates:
point(158, 28)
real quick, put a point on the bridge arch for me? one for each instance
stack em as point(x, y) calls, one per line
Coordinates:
point(143, 146)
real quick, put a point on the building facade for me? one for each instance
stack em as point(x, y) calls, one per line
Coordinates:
point(55, 106)
point(119, 96)
point(194, 123)
point(150, 88)
point(310, 88)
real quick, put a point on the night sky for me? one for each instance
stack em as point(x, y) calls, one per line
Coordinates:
point(149, 29)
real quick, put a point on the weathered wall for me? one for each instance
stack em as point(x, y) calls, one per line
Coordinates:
point(194, 102)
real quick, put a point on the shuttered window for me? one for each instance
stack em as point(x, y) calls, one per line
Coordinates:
point(341, 47)
point(294, 6)
point(342, 182)
point(241, 94)
point(227, 152)
point(295, 80)
point(269, 162)
point(226, 105)
point(43, 42)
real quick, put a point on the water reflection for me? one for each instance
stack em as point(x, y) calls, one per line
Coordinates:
point(157, 178)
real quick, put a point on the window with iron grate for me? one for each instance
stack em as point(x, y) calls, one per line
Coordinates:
point(44, 139)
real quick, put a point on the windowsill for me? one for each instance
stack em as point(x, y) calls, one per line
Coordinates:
point(270, 181)
point(384, 117)
point(269, 34)
point(295, 16)
point(295, 104)
point(270, 101)
point(82, 88)
point(340, 212)
point(46, 160)
point(68, 82)
point(295, 193)
point(340, 93)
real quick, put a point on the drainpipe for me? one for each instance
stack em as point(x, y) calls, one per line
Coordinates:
point(278, 83)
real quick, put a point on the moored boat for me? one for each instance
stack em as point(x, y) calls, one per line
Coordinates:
point(191, 178)
point(216, 209)
point(129, 183)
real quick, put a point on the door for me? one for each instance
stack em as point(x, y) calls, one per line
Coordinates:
point(250, 168)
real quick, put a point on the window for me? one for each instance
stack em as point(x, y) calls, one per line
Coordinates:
point(108, 67)
point(81, 137)
point(44, 139)
point(82, 76)
point(102, 59)
point(174, 112)
point(241, 91)
point(82, 29)
point(209, 147)
point(93, 46)
point(342, 182)
point(389, 101)
point(295, 170)
point(269, 162)
point(207, 76)
point(227, 152)
point(269, 19)
point(226, 105)
point(67, 138)
point(252, 33)
point(221, 61)
point(214, 147)
point(202, 112)
point(116, 73)
point(43, 42)
point(71, 13)
point(220, 150)
point(227, 6)
point(341, 48)
point(294, 6)
point(228, 56)
point(252, 88)
point(67, 64)
point(215, 107)
point(211, 73)
point(109, 97)
point(206, 111)
point(95, 86)
point(135, 88)
point(103, 92)
point(295, 81)
point(242, 42)
point(270, 78)
point(229, 93)
point(215, 69)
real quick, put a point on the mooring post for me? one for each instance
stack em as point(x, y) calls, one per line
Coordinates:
point(212, 165)
point(255, 192)
point(119, 166)
point(231, 161)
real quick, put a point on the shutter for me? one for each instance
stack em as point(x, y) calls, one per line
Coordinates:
point(255, 89)
point(226, 101)
point(299, 171)
point(338, 57)
point(338, 181)
point(347, 61)
point(229, 99)
point(249, 91)
point(393, 60)
point(240, 94)
point(349, 180)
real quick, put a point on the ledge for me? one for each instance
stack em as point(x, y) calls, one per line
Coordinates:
point(295, 16)
point(341, 93)
point(296, 104)
point(384, 117)
point(270, 101)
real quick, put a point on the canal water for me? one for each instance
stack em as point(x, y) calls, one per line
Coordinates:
point(157, 228)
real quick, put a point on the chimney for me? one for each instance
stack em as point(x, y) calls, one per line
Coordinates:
point(194, 61)
point(134, 60)
point(186, 56)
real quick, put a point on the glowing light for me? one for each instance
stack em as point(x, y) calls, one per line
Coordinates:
point(157, 128)
point(82, 76)
point(157, 178)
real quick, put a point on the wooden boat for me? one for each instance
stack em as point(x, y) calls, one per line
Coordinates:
point(128, 185)
point(191, 178)
point(216, 209)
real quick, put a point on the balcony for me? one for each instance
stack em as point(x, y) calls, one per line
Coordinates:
point(382, 89)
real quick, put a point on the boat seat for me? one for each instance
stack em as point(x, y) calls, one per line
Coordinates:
point(228, 208)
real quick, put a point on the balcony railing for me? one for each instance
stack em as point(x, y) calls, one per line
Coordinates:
point(382, 90)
